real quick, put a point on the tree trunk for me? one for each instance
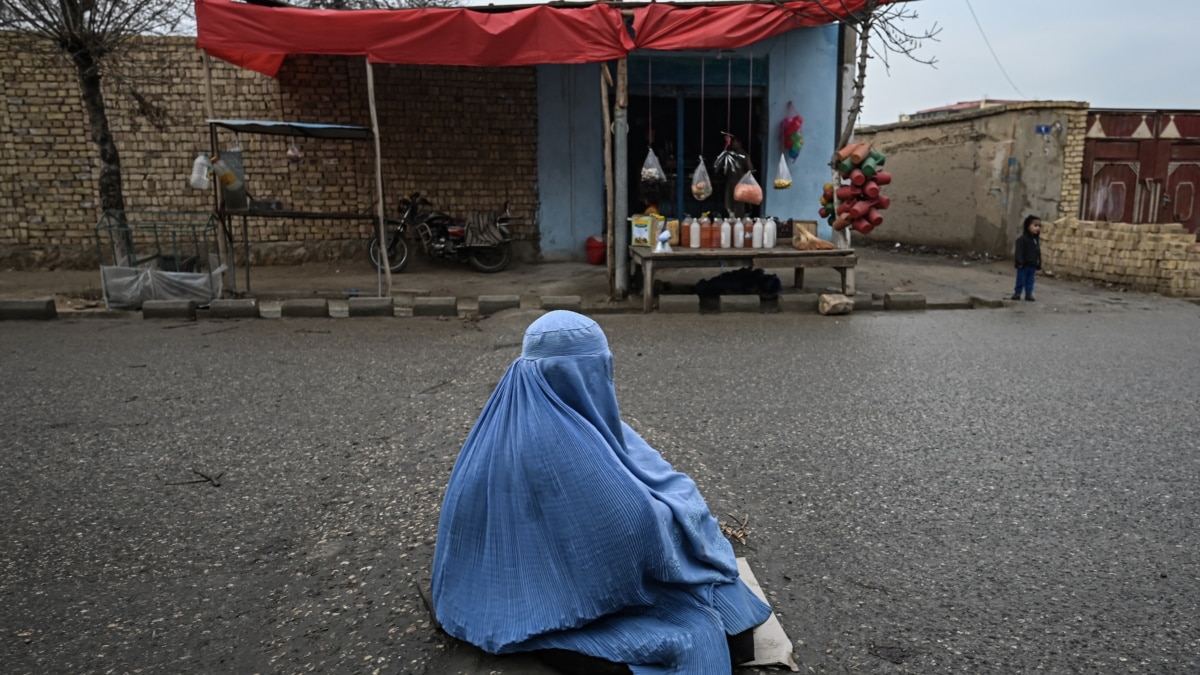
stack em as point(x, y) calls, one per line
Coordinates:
point(112, 198)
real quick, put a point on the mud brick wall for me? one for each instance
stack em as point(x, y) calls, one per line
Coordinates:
point(1157, 258)
point(467, 137)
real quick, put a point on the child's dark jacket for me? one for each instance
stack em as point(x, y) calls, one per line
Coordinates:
point(1028, 251)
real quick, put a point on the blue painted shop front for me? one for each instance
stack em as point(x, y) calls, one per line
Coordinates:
point(748, 89)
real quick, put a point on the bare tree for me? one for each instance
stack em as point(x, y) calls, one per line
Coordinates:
point(880, 30)
point(91, 33)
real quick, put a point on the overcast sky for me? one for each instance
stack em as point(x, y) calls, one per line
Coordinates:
point(1110, 53)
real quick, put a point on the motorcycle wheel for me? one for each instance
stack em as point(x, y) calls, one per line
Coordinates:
point(491, 259)
point(397, 254)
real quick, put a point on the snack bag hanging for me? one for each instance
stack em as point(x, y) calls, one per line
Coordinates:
point(790, 138)
point(701, 185)
point(652, 171)
point(783, 177)
point(747, 190)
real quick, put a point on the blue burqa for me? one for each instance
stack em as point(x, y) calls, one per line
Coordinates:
point(563, 529)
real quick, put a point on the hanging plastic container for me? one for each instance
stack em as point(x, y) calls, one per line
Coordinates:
point(200, 169)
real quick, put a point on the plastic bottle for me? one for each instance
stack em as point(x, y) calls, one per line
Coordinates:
point(739, 234)
point(758, 233)
point(726, 233)
point(694, 234)
point(770, 233)
point(200, 168)
point(748, 228)
point(685, 233)
point(705, 232)
point(228, 178)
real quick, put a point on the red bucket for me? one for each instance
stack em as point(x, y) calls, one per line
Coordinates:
point(596, 250)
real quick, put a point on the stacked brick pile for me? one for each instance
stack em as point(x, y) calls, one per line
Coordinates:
point(1150, 257)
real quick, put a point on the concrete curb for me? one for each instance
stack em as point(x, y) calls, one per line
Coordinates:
point(371, 307)
point(169, 309)
point(418, 303)
point(490, 304)
point(313, 308)
point(435, 306)
point(234, 309)
point(572, 303)
point(740, 303)
point(679, 304)
point(42, 309)
point(911, 302)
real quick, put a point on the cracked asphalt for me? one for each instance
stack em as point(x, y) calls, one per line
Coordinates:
point(968, 492)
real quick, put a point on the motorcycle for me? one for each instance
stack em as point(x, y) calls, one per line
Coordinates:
point(483, 240)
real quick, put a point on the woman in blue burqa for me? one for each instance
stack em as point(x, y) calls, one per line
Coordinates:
point(563, 529)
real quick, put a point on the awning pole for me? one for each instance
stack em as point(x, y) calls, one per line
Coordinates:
point(383, 256)
point(621, 207)
point(222, 249)
point(606, 81)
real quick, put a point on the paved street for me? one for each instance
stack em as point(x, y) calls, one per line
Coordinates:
point(988, 491)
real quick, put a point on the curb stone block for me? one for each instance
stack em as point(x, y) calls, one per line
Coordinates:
point(41, 309)
point(490, 304)
point(798, 303)
point(679, 304)
point(865, 303)
point(572, 303)
point(435, 306)
point(305, 307)
point(169, 309)
point(233, 309)
point(904, 301)
point(978, 302)
point(741, 303)
point(371, 307)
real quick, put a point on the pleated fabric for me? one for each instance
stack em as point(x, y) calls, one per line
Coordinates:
point(562, 528)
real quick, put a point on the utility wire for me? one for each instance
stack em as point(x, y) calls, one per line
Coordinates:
point(993, 51)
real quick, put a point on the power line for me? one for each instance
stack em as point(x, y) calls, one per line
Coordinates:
point(993, 51)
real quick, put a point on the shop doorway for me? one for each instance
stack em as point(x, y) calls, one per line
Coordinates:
point(680, 111)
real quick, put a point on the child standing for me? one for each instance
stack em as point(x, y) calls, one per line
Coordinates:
point(1027, 256)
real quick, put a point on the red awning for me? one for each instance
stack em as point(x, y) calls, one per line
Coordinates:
point(679, 27)
point(259, 37)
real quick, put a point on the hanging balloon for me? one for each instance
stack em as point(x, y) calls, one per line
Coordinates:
point(791, 139)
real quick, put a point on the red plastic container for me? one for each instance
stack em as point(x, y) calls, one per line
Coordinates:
point(596, 250)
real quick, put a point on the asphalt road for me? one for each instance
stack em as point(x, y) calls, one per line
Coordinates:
point(989, 491)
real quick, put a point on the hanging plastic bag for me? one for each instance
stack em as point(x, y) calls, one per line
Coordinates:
point(747, 190)
point(652, 171)
point(790, 138)
point(701, 184)
point(783, 177)
point(294, 154)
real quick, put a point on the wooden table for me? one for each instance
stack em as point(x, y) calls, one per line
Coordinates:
point(843, 260)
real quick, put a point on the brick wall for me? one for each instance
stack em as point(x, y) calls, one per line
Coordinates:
point(1158, 258)
point(1072, 180)
point(465, 136)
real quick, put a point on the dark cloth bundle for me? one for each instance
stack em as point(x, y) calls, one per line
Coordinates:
point(740, 281)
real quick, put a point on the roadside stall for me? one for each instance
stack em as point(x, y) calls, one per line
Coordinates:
point(237, 201)
point(261, 35)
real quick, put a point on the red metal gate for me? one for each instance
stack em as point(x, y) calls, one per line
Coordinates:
point(1142, 167)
